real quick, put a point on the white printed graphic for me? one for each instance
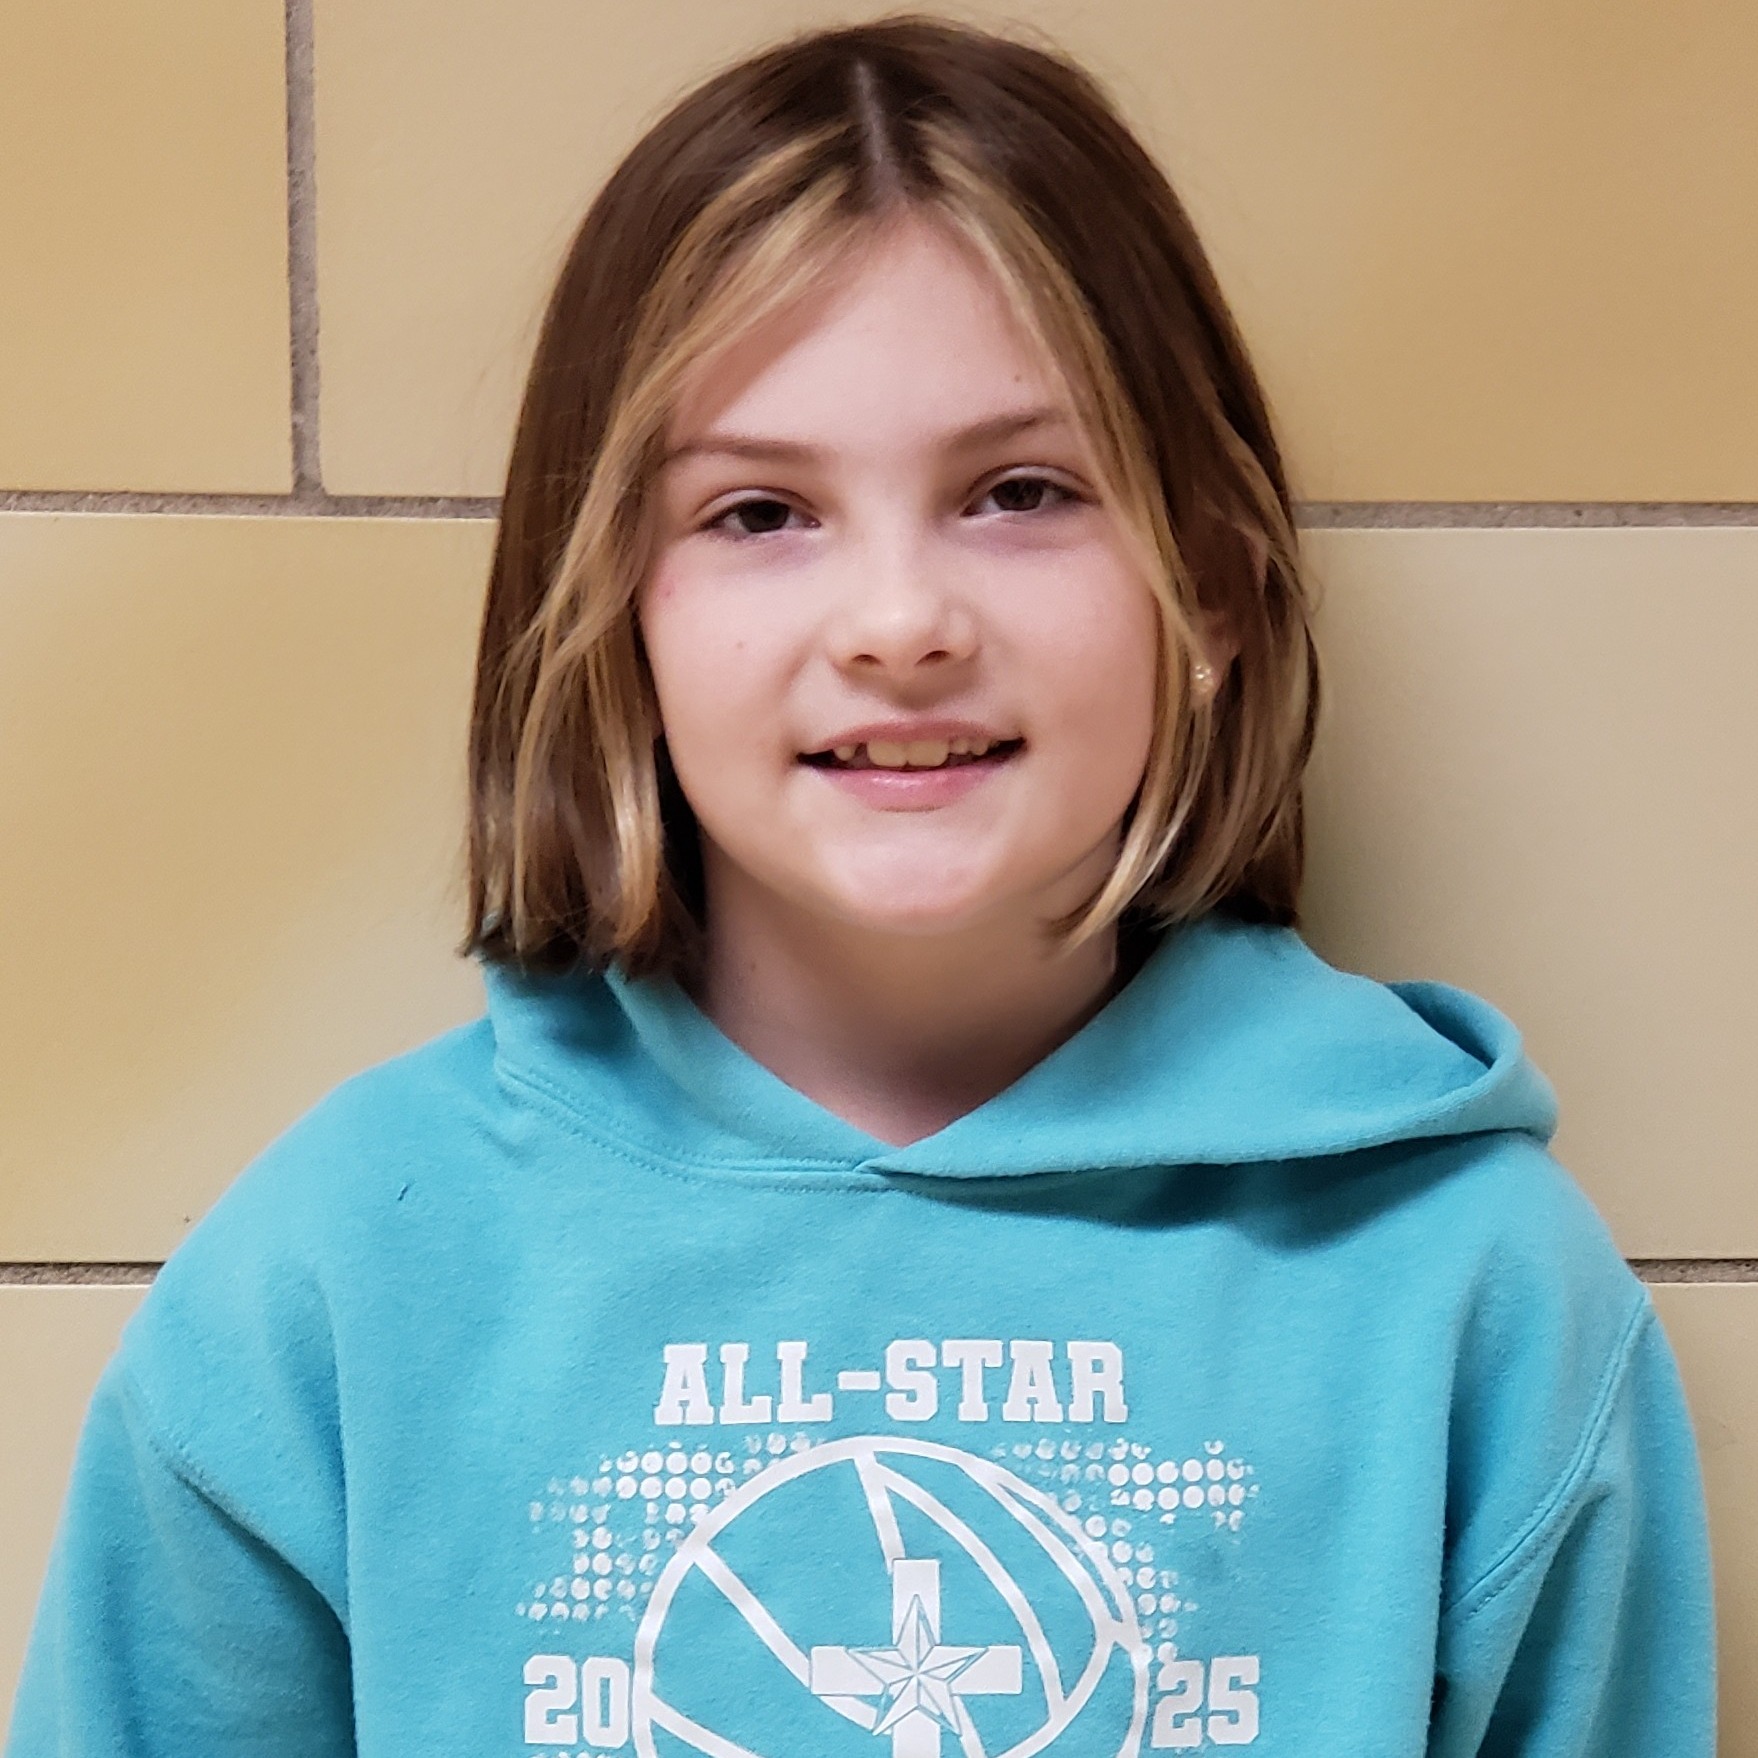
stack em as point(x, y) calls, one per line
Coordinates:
point(932, 1681)
point(920, 1678)
point(941, 1603)
point(618, 1522)
point(1040, 1382)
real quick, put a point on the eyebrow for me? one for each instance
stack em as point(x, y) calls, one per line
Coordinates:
point(780, 451)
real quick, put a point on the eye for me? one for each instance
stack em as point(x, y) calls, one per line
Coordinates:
point(1029, 494)
point(766, 516)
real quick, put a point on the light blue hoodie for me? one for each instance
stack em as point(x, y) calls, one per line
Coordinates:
point(1247, 1374)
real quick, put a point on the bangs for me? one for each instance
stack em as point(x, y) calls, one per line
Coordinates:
point(582, 847)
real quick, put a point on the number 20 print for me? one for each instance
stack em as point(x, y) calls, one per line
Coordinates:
point(587, 1702)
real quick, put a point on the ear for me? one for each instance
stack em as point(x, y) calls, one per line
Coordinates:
point(1215, 630)
point(1217, 646)
point(1223, 547)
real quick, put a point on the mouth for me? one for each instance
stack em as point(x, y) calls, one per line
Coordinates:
point(915, 756)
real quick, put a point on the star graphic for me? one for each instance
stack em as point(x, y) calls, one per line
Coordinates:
point(916, 1674)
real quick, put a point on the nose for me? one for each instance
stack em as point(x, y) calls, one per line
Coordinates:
point(900, 613)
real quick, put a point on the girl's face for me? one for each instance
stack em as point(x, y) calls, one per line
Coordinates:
point(905, 667)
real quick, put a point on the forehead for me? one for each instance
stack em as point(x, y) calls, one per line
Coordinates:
point(909, 342)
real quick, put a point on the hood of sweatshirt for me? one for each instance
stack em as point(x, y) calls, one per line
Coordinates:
point(1233, 1044)
point(1220, 1425)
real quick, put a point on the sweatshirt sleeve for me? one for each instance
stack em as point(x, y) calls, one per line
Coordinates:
point(167, 1628)
point(1593, 1636)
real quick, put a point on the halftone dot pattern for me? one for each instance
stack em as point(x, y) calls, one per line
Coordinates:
point(1120, 1491)
point(617, 1524)
point(614, 1527)
point(1125, 1474)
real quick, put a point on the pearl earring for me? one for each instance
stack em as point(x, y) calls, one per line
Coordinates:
point(1203, 676)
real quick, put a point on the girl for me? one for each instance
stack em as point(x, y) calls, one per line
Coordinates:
point(919, 1257)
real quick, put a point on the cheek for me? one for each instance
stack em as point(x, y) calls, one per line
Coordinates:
point(718, 672)
point(1099, 666)
point(663, 618)
point(688, 650)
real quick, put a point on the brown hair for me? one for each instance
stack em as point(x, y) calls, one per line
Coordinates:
point(741, 199)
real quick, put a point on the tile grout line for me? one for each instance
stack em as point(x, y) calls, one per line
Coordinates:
point(1716, 1271)
point(1659, 1270)
point(1519, 515)
point(96, 1275)
point(310, 500)
point(302, 312)
point(315, 505)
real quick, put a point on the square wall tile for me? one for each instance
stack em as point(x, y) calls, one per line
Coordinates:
point(53, 1345)
point(234, 820)
point(143, 204)
point(1537, 777)
point(1481, 251)
point(1713, 1328)
point(456, 159)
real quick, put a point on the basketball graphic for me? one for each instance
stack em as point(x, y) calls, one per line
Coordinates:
point(883, 1597)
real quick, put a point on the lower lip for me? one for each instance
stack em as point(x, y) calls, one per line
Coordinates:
point(913, 790)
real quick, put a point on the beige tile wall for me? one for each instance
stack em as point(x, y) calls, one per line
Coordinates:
point(233, 786)
point(1484, 252)
point(53, 1343)
point(1535, 779)
point(143, 182)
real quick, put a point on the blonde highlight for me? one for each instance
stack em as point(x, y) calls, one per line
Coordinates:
point(579, 841)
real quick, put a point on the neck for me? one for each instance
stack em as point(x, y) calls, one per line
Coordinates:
point(897, 1034)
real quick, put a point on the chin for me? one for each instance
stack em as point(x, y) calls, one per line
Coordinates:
point(915, 915)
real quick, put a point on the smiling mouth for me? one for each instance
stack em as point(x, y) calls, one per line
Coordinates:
point(916, 755)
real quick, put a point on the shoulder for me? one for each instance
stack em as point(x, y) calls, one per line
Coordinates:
point(1548, 1322)
point(429, 1112)
point(249, 1305)
point(1543, 1266)
point(1494, 1226)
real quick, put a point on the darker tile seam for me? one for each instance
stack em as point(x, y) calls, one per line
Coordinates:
point(1654, 1270)
point(1511, 515)
point(310, 501)
point(257, 506)
point(1695, 1269)
point(302, 309)
point(104, 1275)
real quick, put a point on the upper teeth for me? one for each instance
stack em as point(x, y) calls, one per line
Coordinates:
point(917, 754)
